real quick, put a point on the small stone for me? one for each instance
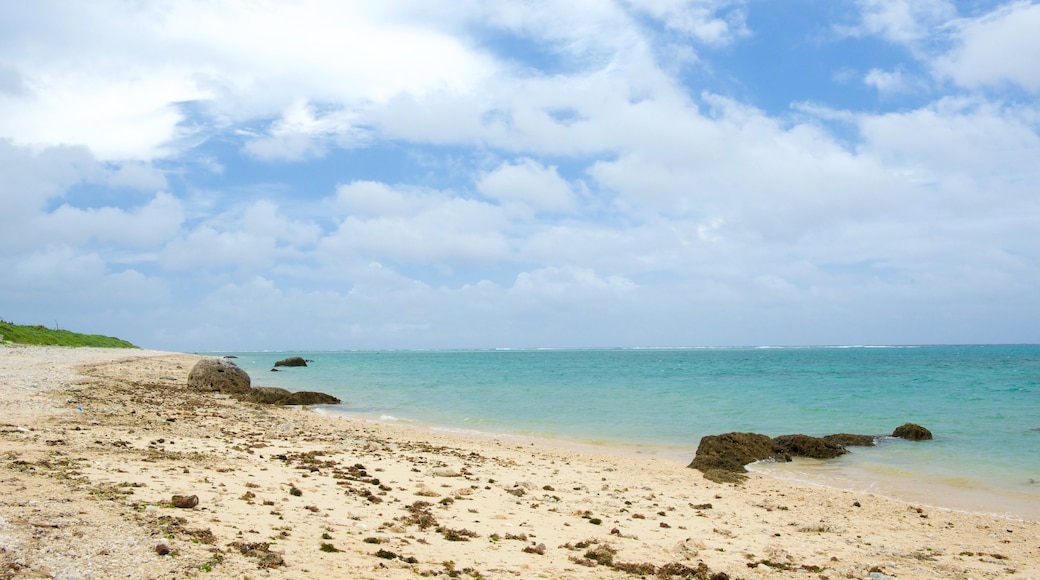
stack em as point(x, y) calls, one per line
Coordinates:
point(185, 501)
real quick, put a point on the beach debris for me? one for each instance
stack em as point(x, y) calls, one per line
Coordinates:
point(218, 374)
point(185, 501)
point(261, 551)
point(293, 361)
point(912, 432)
point(162, 549)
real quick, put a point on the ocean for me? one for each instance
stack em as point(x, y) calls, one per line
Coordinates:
point(982, 404)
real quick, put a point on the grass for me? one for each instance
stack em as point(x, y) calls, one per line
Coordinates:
point(40, 335)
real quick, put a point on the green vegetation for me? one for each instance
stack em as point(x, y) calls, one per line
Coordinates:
point(23, 334)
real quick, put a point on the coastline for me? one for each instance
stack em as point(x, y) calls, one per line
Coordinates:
point(91, 457)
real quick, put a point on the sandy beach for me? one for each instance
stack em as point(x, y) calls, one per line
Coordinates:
point(95, 444)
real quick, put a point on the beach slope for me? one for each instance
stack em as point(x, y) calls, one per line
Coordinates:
point(95, 444)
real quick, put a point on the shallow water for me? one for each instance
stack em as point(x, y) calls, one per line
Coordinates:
point(982, 403)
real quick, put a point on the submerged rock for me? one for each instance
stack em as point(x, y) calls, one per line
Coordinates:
point(218, 374)
point(912, 431)
point(293, 361)
point(850, 440)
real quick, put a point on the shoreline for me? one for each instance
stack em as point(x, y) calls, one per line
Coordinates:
point(927, 489)
point(88, 492)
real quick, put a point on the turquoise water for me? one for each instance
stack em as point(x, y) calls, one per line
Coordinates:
point(982, 403)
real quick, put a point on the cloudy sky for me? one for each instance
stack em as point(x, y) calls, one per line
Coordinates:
point(319, 174)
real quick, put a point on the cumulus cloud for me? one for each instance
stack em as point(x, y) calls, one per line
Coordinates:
point(127, 104)
point(502, 172)
point(713, 22)
point(904, 22)
point(999, 48)
point(530, 184)
point(147, 226)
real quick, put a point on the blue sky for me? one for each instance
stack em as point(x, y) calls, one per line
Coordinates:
point(318, 174)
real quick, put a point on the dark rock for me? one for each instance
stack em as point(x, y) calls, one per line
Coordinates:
point(850, 440)
point(218, 374)
point(293, 361)
point(275, 371)
point(266, 395)
point(722, 458)
point(808, 446)
point(185, 501)
point(912, 431)
point(310, 398)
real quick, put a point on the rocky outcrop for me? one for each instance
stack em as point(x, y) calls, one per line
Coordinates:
point(218, 374)
point(266, 395)
point(808, 446)
point(310, 398)
point(279, 396)
point(293, 361)
point(850, 440)
point(722, 458)
point(223, 376)
point(912, 432)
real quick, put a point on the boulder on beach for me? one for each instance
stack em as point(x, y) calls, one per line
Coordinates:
point(293, 361)
point(912, 431)
point(218, 374)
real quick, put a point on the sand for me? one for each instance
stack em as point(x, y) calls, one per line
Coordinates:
point(94, 444)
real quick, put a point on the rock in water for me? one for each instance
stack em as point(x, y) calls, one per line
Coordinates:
point(310, 398)
point(218, 374)
point(266, 395)
point(808, 446)
point(721, 458)
point(849, 440)
point(913, 432)
point(293, 361)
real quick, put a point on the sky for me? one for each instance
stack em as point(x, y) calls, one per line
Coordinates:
point(321, 174)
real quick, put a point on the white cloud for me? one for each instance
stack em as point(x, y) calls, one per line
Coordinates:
point(904, 21)
point(61, 273)
point(241, 240)
point(33, 179)
point(999, 48)
point(241, 61)
point(452, 231)
point(29, 178)
point(530, 184)
point(713, 22)
point(415, 226)
point(301, 133)
point(148, 226)
point(887, 82)
point(371, 198)
point(957, 138)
